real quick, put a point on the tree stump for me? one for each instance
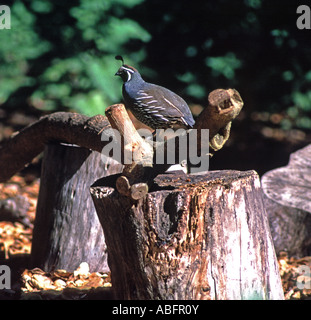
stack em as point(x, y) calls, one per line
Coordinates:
point(287, 196)
point(67, 230)
point(191, 237)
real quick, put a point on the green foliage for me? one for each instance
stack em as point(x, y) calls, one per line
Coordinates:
point(17, 49)
point(224, 65)
point(300, 111)
point(62, 53)
point(84, 81)
point(78, 71)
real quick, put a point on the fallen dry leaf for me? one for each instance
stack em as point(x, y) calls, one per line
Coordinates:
point(14, 238)
point(295, 275)
point(82, 271)
point(36, 279)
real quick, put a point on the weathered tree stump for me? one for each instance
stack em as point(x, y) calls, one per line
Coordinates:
point(191, 237)
point(67, 230)
point(172, 236)
point(287, 196)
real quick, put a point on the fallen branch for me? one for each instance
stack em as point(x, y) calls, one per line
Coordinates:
point(66, 127)
point(223, 108)
point(73, 128)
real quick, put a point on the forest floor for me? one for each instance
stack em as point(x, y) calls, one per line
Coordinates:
point(18, 200)
point(15, 247)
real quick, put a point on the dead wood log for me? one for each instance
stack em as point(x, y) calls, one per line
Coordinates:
point(22, 147)
point(223, 108)
point(67, 230)
point(287, 198)
point(65, 127)
point(191, 237)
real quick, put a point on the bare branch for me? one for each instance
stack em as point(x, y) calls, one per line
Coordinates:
point(73, 128)
point(66, 127)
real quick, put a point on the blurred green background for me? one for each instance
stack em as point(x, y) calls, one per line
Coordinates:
point(59, 55)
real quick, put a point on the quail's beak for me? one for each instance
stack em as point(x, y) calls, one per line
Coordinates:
point(118, 73)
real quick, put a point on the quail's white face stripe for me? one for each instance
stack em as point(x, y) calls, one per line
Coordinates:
point(128, 69)
point(128, 76)
point(129, 73)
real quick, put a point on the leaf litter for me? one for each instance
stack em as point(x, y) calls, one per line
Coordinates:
point(16, 239)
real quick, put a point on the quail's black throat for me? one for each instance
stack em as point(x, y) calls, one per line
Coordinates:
point(153, 105)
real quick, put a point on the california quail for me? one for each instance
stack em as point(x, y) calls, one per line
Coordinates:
point(153, 105)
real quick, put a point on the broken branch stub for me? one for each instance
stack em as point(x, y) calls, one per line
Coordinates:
point(136, 153)
point(139, 155)
point(223, 107)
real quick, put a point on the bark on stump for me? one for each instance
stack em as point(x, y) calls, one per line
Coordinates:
point(287, 197)
point(191, 237)
point(67, 230)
